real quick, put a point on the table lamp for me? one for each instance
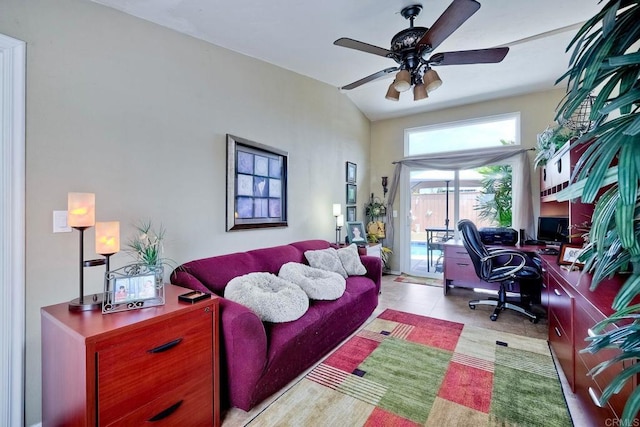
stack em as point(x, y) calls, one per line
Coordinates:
point(81, 209)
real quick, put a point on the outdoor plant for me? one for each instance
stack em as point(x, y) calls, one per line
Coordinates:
point(495, 202)
point(605, 64)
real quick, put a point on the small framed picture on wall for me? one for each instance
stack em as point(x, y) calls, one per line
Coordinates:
point(351, 213)
point(352, 190)
point(352, 170)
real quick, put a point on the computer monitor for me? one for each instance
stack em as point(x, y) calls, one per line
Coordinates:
point(554, 229)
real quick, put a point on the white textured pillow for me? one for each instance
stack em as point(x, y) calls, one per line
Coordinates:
point(326, 259)
point(350, 259)
point(273, 299)
point(317, 284)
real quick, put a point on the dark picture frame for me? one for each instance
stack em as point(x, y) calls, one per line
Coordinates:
point(351, 213)
point(352, 193)
point(569, 254)
point(256, 185)
point(356, 232)
point(351, 173)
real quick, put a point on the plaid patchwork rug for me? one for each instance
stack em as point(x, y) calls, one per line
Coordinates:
point(408, 370)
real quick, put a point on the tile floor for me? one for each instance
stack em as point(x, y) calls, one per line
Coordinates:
point(430, 301)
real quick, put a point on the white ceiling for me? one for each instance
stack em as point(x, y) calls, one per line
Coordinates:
point(298, 35)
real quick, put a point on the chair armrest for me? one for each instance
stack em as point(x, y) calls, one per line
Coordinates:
point(373, 265)
point(245, 350)
point(507, 270)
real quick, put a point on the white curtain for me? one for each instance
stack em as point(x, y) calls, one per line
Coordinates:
point(521, 180)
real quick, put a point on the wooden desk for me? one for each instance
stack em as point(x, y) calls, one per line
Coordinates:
point(459, 270)
point(572, 309)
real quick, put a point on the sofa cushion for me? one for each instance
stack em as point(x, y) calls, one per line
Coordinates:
point(273, 299)
point(317, 284)
point(326, 259)
point(350, 259)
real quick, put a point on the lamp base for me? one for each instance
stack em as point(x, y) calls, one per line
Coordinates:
point(89, 303)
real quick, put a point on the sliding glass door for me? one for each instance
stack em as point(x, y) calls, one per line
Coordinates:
point(437, 200)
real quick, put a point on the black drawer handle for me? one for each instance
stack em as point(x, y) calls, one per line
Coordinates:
point(557, 331)
point(165, 347)
point(461, 264)
point(164, 414)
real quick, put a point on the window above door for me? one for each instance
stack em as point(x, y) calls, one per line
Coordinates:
point(484, 132)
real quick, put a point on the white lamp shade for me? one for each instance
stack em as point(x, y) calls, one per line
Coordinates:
point(392, 94)
point(432, 80)
point(107, 237)
point(403, 81)
point(337, 209)
point(340, 221)
point(81, 209)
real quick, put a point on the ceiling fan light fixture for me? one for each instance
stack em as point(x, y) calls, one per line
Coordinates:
point(392, 93)
point(403, 81)
point(432, 80)
point(419, 91)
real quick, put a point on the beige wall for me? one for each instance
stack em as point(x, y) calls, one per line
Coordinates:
point(387, 136)
point(138, 115)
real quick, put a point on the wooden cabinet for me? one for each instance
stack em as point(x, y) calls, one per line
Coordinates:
point(573, 310)
point(561, 304)
point(374, 249)
point(158, 364)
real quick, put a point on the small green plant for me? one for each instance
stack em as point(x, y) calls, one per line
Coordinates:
point(550, 141)
point(146, 247)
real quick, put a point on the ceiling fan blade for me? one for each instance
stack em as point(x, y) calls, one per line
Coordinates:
point(452, 18)
point(372, 77)
point(363, 47)
point(479, 56)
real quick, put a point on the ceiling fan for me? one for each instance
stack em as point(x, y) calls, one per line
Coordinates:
point(411, 48)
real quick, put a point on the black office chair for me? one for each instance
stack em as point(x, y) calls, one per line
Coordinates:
point(505, 266)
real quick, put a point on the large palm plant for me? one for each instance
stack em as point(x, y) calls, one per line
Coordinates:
point(606, 62)
point(495, 202)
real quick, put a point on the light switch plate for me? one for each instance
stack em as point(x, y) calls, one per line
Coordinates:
point(60, 222)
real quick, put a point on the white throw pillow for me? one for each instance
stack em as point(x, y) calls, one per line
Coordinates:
point(326, 259)
point(273, 299)
point(317, 284)
point(351, 262)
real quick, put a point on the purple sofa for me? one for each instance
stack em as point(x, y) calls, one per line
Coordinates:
point(259, 358)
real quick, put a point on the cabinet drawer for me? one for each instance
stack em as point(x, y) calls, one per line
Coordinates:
point(189, 404)
point(589, 391)
point(562, 344)
point(152, 361)
point(460, 269)
point(561, 304)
